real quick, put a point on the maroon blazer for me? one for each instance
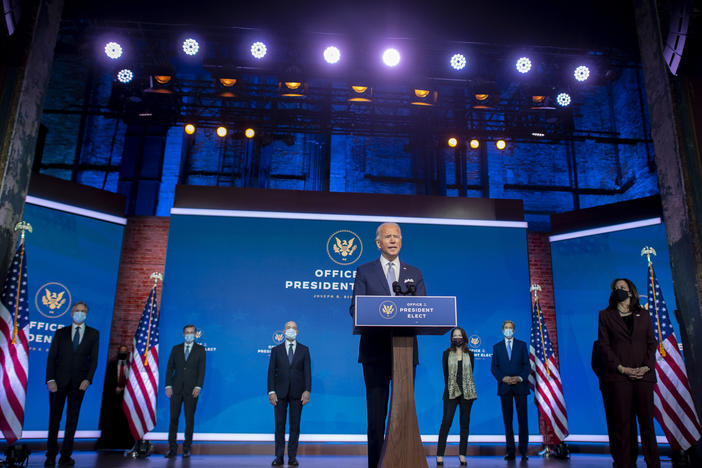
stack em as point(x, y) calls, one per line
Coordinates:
point(630, 350)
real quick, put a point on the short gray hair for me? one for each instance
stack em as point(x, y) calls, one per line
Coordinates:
point(377, 231)
point(510, 322)
point(83, 303)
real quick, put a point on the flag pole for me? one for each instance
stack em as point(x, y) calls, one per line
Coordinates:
point(535, 288)
point(156, 276)
point(648, 251)
point(22, 226)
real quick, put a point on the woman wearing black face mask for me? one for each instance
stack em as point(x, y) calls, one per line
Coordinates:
point(628, 355)
point(459, 390)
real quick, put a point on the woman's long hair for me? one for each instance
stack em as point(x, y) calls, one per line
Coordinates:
point(633, 301)
point(465, 340)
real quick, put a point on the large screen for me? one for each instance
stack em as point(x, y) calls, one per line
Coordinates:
point(70, 258)
point(240, 278)
point(583, 268)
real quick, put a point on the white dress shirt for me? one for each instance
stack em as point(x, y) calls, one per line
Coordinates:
point(395, 266)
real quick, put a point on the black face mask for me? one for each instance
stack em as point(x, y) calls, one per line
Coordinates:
point(457, 342)
point(621, 295)
point(122, 356)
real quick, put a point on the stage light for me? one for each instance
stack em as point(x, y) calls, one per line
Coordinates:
point(523, 65)
point(421, 93)
point(424, 97)
point(474, 144)
point(563, 99)
point(581, 73)
point(538, 134)
point(113, 50)
point(249, 133)
point(391, 57)
point(292, 88)
point(500, 144)
point(483, 101)
point(293, 84)
point(227, 82)
point(452, 142)
point(221, 132)
point(125, 75)
point(258, 49)
point(190, 46)
point(359, 89)
point(163, 79)
point(458, 61)
point(361, 94)
point(538, 99)
point(332, 54)
point(189, 129)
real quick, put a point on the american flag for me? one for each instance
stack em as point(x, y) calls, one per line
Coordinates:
point(139, 402)
point(544, 378)
point(14, 347)
point(673, 405)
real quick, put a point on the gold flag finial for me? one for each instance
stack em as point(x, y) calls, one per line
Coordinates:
point(535, 288)
point(23, 226)
point(648, 251)
point(156, 276)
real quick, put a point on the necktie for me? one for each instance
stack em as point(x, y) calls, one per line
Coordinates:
point(187, 352)
point(290, 353)
point(76, 339)
point(391, 277)
point(509, 349)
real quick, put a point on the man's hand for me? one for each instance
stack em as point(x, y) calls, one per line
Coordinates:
point(119, 390)
point(507, 379)
point(52, 386)
point(196, 392)
point(305, 397)
point(84, 385)
point(628, 372)
point(273, 398)
point(169, 392)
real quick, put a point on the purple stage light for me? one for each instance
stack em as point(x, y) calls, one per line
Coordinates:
point(191, 46)
point(125, 75)
point(523, 65)
point(458, 61)
point(563, 99)
point(391, 57)
point(113, 50)
point(581, 73)
point(258, 49)
point(332, 54)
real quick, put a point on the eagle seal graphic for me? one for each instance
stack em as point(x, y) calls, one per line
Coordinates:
point(344, 247)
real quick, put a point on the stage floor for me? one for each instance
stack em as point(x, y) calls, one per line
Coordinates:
point(115, 460)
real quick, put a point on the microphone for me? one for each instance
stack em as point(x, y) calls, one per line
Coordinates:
point(411, 287)
point(396, 288)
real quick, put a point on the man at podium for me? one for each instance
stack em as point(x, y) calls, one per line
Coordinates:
point(376, 278)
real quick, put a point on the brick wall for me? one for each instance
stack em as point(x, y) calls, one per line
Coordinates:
point(143, 252)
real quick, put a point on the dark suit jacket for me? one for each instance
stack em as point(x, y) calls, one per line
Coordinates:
point(444, 362)
point(289, 380)
point(376, 345)
point(182, 375)
point(630, 350)
point(67, 367)
point(519, 365)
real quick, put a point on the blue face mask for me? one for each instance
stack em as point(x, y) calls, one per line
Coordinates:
point(79, 317)
point(508, 332)
point(189, 337)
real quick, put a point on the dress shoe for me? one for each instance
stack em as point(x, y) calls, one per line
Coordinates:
point(66, 461)
point(277, 461)
point(170, 454)
point(186, 453)
point(50, 461)
point(510, 457)
point(462, 460)
point(524, 458)
point(293, 461)
point(439, 462)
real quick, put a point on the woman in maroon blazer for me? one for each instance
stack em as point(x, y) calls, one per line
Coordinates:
point(626, 339)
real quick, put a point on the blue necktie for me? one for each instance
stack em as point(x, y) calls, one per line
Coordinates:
point(391, 277)
point(290, 354)
point(187, 352)
point(76, 339)
point(509, 349)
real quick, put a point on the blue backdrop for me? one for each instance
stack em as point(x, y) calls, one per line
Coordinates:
point(240, 279)
point(69, 258)
point(583, 269)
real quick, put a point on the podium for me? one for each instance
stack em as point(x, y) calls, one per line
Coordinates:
point(405, 317)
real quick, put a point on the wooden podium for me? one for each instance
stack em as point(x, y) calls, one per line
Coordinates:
point(403, 444)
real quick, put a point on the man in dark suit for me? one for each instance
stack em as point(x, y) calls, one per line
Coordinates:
point(375, 350)
point(289, 384)
point(70, 368)
point(511, 368)
point(185, 375)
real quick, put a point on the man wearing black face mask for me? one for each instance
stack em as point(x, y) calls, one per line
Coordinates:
point(113, 422)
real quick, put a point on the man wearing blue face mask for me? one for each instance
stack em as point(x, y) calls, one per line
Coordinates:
point(185, 375)
point(511, 368)
point(289, 384)
point(69, 372)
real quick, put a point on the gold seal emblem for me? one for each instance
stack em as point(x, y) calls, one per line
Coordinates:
point(474, 341)
point(387, 309)
point(278, 337)
point(53, 300)
point(344, 247)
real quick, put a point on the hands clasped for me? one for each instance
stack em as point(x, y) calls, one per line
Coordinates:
point(634, 373)
point(511, 379)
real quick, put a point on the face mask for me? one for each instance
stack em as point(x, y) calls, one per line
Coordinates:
point(508, 332)
point(457, 341)
point(79, 317)
point(290, 333)
point(122, 356)
point(189, 337)
point(621, 295)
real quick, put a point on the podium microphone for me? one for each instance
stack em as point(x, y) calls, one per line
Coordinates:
point(397, 289)
point(411, 287)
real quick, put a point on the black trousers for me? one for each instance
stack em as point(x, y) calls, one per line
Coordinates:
point(377, 378)
point(520, 402)
point(628, 401)
point(609, 417)
point(189, 403)
point(57, 400)
point(464, 419)
point(281, 412)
